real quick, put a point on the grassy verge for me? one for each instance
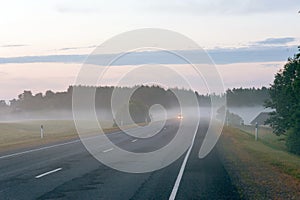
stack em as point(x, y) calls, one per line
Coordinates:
point(260, 169)
point(266, 135)
point(21, 134)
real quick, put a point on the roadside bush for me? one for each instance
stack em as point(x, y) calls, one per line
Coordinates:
point(293, 135)
point(293, 141)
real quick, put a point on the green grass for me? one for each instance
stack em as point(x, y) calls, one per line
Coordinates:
point(266, 136)
point(259, 169)
point(268, 150)
point(23, 133)
point(19, 134)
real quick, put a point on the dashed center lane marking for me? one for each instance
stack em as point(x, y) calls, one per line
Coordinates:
point(134, 140)
point(47, 173)
point(108, 150)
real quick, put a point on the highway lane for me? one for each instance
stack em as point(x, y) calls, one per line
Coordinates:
point(70, 172)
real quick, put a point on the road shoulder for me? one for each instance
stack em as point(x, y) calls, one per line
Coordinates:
point(257, 170)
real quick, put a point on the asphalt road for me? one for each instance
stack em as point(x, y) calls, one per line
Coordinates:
point(68, 171)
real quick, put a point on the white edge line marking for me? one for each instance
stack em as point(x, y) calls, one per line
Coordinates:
point(108, 150)
point(134, 140)
point(48, 147)
point(39, 149)
point(47, 173)
point(177, 182)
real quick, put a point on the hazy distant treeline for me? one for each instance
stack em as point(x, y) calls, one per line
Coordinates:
point(148, 95)
point(238, 97)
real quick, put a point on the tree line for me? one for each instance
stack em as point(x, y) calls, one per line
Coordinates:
point(247, 96)
point(149, 95)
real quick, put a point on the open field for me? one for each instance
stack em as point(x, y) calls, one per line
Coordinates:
point(266, 136)
point(20, 134)
point(260, 169)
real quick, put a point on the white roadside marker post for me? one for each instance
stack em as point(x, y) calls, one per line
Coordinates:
point(256, 131)
point(42, 131)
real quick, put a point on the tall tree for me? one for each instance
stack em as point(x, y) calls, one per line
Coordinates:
point(285, 99)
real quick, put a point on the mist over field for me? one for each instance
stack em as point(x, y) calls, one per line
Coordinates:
point(146, 103)
point(248, 113)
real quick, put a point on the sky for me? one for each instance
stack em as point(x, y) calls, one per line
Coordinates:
point(43, 43)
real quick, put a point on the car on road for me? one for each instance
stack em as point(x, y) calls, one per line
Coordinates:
point(179, 116)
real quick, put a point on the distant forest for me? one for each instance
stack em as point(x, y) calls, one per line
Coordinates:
point(149, 95)
point(238, 97)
